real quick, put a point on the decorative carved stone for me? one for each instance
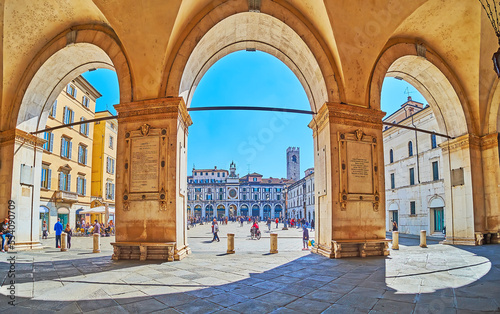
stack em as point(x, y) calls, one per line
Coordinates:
point(145, 129)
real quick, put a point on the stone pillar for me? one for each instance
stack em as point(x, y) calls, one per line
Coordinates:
point(20, 175)
point(349, 180)
point(230, 243)
point(395, 240)
point(64, 246)
point(491, 178)
point(151, 172)
point(274, 243)
point(463, 181)
point(423, 238)
point(96, 237)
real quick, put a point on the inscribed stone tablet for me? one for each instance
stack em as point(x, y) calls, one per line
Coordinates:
point(144, 164)
point(359, 177)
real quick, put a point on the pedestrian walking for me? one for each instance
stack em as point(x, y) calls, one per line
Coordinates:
point(5, 233)
point(277, 220)
point(58, 228)
point(394, 226)
point(216, 230)
point(269, 223)
point(312, 224)
point(69, 234)
point(97, 227)
point(45, 230)
point(305, 238)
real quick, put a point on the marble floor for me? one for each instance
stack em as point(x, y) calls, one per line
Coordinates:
point(437, 279)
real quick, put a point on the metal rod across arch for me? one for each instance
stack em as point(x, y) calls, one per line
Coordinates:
point(248, 108)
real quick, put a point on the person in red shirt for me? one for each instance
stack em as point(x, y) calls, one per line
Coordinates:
point(277, 220)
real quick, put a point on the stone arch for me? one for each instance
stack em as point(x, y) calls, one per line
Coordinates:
point(423, 68)
point(436, 201)
point(492, 124)
point(69, 54)
point(288, 36)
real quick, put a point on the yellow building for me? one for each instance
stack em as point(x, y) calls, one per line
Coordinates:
point(103, 162)
point(66, 162)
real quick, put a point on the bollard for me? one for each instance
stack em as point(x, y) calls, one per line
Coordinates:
point(63, 242)
point(274, 243)
point(97, 243)
point(423, 238)
point(230, 243)
point(395, 240)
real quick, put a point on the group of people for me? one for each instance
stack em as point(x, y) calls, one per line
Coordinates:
point(106, 229)
point(6, 234)
point(59, 229)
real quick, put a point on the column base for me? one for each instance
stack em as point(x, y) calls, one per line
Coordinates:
point(462, 241)
point(166, 251)
point(354, 248)
point(24, 246)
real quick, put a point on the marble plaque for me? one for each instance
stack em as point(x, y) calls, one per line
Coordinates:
point(359, 165)
point(144, 165)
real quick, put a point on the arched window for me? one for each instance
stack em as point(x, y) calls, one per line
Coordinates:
point(433, 141)
point(391, 156)
point(410, 149)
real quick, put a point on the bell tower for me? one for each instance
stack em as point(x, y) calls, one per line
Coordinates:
point(293, 163)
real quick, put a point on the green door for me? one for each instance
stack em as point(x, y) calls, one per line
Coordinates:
point(438, 219)
point(64, 219)
point(395, 216)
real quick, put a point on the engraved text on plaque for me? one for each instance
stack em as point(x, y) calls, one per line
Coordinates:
point(144, 166)
point(359, 168)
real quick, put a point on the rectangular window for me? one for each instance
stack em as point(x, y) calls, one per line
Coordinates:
point(244, 197)
point(244, 189)
point(68, 116)
point(255, 179)
point(81, 185)
point(84, 128)
point(221, 190)
point(64, 181)
point(85, 101)
point(197, 189)
point(267, 189)
point(255, 197)
point(278, 189)
point(46, 175)
point(82, 154)
point(66, 147)
point(393, 184)
point(209, 196)
point(218, 174)
point(435, 171)
point(209, 190)
point(110, 191)
point(220, 196)
point(412, 176)
point(278, 197)
point(49, 145)
point(110, 165)
point(71, 90)
point(433, 141)
point(53, 110)
point(256, 189)
point(111, 141)
point(412, 208)
point(223, 174)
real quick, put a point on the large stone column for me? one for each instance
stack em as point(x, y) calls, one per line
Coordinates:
point(349, 181)
point(151, 180)
point(20, 175)
point(471, 188)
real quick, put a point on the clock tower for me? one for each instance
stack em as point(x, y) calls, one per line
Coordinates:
point(293, 163)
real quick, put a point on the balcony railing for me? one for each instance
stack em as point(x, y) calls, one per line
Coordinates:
point(66, 196)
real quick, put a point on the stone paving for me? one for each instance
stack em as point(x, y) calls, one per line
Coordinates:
point(437, 279)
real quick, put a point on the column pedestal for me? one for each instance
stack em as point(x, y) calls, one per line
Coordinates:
point(349, 179)
point(151, 180)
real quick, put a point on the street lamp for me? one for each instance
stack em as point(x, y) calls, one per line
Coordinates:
point(494, 20)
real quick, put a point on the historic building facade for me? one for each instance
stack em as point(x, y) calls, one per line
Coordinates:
point(103, 162)
point(218, 192)
point(67, 155)
point(414, 172)
point(300, 197)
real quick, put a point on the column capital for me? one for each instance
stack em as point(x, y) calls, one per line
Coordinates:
point(352, 115)
point(151, 109)
point(20, 137)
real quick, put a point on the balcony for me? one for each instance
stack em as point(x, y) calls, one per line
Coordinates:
point(65, 196)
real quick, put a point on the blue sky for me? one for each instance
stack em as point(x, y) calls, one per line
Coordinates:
point(256, 141)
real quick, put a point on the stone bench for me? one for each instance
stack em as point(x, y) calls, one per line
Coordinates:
point(355, 248)
point(144, 251)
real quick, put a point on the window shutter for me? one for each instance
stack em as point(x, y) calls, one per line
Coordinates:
point(107, 188)
point(60, 182)
point(84, 186)
point(69, 182)
point(85, 156)
point(112, 191)
point(64, 114)
point(51, 143)
point(70, 149)
point(62, 146)
point(72, 115)
point(49, 176)
point(44, 175)
point(78, 185)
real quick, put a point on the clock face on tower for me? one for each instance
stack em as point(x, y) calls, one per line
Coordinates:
point(232, 193)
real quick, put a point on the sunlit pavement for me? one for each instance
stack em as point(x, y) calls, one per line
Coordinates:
point(438, 279)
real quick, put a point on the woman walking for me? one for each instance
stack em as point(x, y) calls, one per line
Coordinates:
point(69, 234)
